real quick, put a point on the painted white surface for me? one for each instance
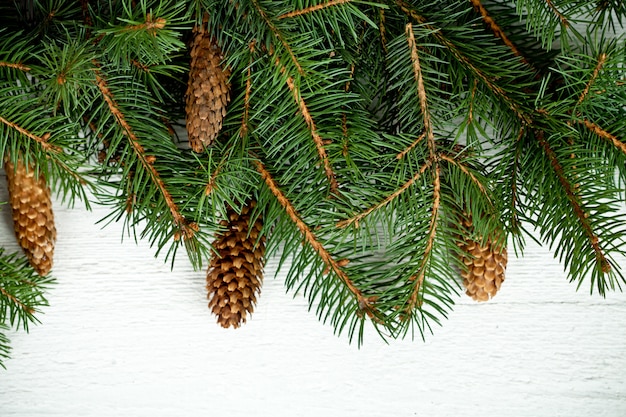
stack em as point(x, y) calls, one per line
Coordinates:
point(125, 336)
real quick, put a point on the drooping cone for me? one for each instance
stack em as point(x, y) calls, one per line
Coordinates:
point(208, 91)
point(33, 219)
point(235, 274)
point(485, 264)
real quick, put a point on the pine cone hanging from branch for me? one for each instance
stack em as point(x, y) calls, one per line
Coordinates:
point(235, 273)
point(485, 263)
point(208, 91)
point(33, 219)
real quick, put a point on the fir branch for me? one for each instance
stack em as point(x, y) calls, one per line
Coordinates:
point(434, 220)
point(515, 222)
point(147, 161)
point(278, 34)
point(406, 150)
point(317, 139)
point(151, 26)
point(496, 29)
point(382, 30)
point(246, 99)
point(42, 140)
point(605, 265)
point(27, 310)
point(466, 61)
point(601, 61)
point(356, 219)
point(463, 168)
point(558, 14)
point(13, 65)
point(365, 303)
point(421, 91)
point(313, 8)
point(604, 134)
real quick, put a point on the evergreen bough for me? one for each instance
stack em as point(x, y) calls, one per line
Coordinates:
point(364, 130)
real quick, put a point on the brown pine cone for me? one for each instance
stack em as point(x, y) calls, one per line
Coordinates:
point(208, 91)
point(235, 273)
point(485, 265)
point(33, 219)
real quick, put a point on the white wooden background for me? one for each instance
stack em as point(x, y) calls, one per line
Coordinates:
point(125, 336)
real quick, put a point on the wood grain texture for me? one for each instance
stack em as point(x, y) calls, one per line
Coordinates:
point(125, 336)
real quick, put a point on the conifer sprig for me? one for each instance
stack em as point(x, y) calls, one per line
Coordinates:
point(365, 132)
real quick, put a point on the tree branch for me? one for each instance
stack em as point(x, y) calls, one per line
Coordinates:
point(18, 66)
point(151, 26)
point(365, 303)
point(421, 91)
point(248, 92)
point(603, 134)
point(406, 150)
point(278, 35)
point(466, 171)
point(42, 140)
point(496, 29)
point(434, 218)
point(147, 161)
point(356, 219)
point(558, 14)
point(497, 90)
point(312, 9)
point(594, 75)
point(317, 139)
point(28, 310)
point(604, 263)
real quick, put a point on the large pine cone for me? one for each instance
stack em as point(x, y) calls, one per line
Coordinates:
point(235, 273)
point(33, 219)
point(485, 265)
point(207, 90)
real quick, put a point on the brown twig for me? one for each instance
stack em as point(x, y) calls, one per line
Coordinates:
point(246, 98)
point(601, 61)
point(356, 219)
point(604, 134)
point(382, 30)
point(496, 29)
point(18, 66)
point(434, 218)
point(365, 303)
point(317, 139)
point(42, 140)
point(421, 90)
point(22, 306)
point(147, 161)
point(406, 150)
point(558, 14)
point(605, 265)
point(151, 26)
point(278, 35)
point(487, 80)
point(312, 9)
point(466, 171)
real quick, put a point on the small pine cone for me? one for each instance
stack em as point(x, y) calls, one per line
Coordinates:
point(208, 91)
point(235, 274)
point(33, 219)
point(485, 266)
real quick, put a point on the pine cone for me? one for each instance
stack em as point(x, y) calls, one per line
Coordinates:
point(207, 90)
point(235, 274)
point(33, 219)
point(485, 265)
